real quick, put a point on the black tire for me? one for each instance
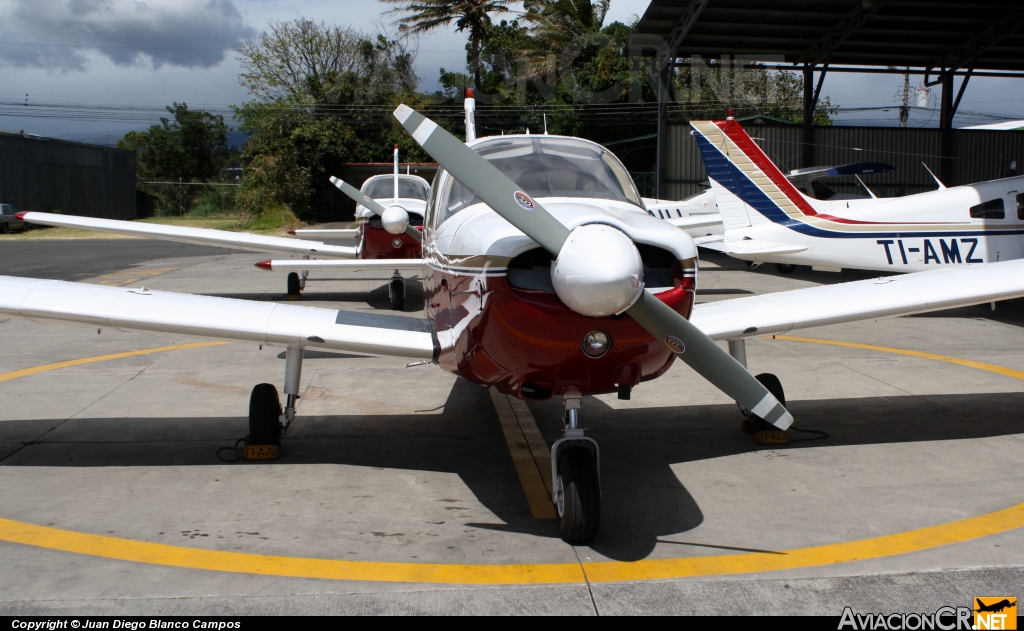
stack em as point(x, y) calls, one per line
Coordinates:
point(579, 510)
point(5, 228)
point(396, 291)
point(785, 268)
point(294, 287)
point(754, 424)
point(264, 415)
point(773, 385)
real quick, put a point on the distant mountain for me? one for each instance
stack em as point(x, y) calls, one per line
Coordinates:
point(235, 138)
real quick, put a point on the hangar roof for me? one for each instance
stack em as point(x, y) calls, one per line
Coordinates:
point(917, 33)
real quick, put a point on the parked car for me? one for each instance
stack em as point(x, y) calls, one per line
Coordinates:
point(8, 221)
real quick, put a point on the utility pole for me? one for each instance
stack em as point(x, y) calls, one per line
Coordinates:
point(905, 108)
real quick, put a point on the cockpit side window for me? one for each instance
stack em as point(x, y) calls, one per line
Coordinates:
point(992, 209)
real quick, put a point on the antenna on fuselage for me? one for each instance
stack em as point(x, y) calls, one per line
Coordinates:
point(545, 123)
point(396, 174)
point(942, 186)
point(470, 107)
point(865, 187)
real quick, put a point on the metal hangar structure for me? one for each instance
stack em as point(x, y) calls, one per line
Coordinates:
point(941, 40)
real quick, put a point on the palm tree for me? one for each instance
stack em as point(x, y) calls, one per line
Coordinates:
point(556, 23)
point(562, 28)
point(422, 16)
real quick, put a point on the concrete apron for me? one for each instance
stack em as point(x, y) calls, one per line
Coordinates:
point(388, 464)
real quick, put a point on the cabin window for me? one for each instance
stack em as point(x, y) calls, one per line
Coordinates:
point(409, 187)
point(1020, 205)
point(992, 209)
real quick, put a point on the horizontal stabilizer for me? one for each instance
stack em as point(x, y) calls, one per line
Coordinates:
point(356, 265)
point(208, 316)
point(308, 233)
point(748, 247)
point(906, 294)
point(696, 221)
point(198, 236)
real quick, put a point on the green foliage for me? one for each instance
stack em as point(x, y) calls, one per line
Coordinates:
point(273, 217)
point(192, 146)
point(423, 16)
point(708, 90)
point(310, 81)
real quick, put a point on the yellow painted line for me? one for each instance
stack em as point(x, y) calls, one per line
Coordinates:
point(24, 372)
point(536, 485)
point(1002, 370)
point(129, 276)
point(511, 574)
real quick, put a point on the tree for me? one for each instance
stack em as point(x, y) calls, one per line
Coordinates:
point(192, 146)
point(307, 62)
point(423, 16)
point(708, 89)
point(323, 97)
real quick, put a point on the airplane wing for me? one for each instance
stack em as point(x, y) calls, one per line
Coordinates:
point(199, 236)
point(889, 296)
point(752, 247)
point(360, 264)
point(225, 318)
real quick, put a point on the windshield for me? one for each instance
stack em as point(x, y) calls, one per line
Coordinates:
point(382, 186)
point(546, 166)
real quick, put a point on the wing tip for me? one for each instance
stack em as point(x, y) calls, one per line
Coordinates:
point(267, 265)
point(292, 232)
point(21, 215)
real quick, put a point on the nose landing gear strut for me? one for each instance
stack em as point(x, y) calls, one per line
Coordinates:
point(576, 479)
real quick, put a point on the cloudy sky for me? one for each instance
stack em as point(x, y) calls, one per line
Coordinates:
point(146, 54)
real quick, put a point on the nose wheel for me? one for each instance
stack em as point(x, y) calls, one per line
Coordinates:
point(294, 286)
point(576, 478)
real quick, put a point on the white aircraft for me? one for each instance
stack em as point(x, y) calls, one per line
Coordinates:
point(546, 277)
point(391, 242)
point(767, 219)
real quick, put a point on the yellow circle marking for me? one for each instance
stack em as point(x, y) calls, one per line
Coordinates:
point(1002, 370)
point(7, 376)
point(510, 574)
point(526, 573)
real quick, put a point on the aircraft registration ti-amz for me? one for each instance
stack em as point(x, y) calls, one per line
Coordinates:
point(546, 278)
point(766, 218)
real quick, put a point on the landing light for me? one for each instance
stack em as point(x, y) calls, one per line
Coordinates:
point(596, 344)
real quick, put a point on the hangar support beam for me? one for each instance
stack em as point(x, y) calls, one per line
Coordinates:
point(676, 36)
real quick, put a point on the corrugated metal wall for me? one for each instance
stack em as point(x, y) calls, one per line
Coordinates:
point(77, 179)
point(979, 155)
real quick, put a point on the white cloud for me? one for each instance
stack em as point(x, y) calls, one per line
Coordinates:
point(57, 34)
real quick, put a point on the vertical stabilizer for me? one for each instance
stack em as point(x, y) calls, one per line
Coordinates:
point(749, 188)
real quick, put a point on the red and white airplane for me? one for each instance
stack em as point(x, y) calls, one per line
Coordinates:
point(768, 219)
point(546, 278)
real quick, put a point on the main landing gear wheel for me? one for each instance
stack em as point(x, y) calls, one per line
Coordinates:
point(396, 292)
point(785, 268)
point(264, 416)
point(764, 433)
point(294, 286)
point(578, 495)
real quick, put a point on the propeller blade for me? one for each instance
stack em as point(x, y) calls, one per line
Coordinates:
point(488, 183)
point(358, 197)
point(708, 359)
point(503, 195)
